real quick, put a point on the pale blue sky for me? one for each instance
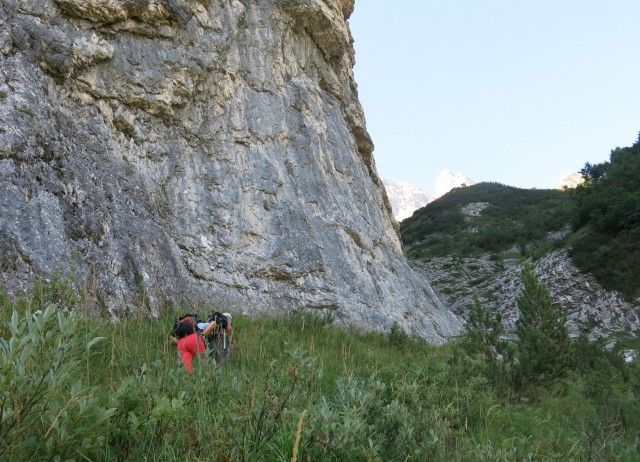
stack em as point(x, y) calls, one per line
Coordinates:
point(519, 92)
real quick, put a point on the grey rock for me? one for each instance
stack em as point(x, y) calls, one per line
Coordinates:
point(211, 153)
point(589, 308)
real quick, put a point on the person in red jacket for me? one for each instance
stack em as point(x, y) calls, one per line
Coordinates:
point(190, 347)
point(189, 341)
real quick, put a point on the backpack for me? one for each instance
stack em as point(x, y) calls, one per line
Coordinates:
point(220, 319)
point(185, 325)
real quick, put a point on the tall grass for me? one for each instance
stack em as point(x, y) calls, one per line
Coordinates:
point(294, 388)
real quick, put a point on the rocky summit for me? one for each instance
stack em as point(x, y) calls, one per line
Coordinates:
point(405, 198)
point(210, 152)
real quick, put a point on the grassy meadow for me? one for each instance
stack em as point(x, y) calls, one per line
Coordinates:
point(295, 388)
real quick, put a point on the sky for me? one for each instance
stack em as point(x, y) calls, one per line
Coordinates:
point(513, 91)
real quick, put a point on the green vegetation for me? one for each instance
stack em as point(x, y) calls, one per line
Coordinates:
point(520, 218)
point(28, 111)
point(543, 350)
point(587, 381)
point(81, 389)
point(598, 222)
point(607, 241)
point(484, 339)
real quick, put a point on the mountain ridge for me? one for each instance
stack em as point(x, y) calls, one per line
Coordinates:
point(406, 198)
point(473, 243)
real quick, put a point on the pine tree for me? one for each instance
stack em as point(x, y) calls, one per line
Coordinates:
point(484, 339)
point(544, 348)
point(483, 335)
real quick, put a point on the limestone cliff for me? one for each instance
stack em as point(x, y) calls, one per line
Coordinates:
point(589, 308)
point(213, 151)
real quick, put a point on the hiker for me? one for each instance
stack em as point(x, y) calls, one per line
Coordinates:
point(218, 333)
point(187, 336)
point(213, 321)
point(229, 327)
point(206, 328)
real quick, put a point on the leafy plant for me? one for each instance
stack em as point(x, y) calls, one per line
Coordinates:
point(398, 338)
point(295, 385)
point(254, 421)
point(484, 337)
point(57, 289)
point(46, 410)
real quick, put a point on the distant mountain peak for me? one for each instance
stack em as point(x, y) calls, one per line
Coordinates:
point(570, 181)
point(447, 180)
point(405, 198)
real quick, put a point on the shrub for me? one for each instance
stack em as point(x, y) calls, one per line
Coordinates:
point(608, 218)
point(57, 290)
point(46, 410)
point(255, 418)
point(398, 338)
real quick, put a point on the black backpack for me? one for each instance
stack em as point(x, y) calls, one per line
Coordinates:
point(220, 319)
point(185, 325)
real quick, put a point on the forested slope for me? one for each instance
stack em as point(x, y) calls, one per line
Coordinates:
point(584, 244)
point(607, 221)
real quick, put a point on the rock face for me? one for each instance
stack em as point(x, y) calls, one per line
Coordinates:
point(589, 308)
point(200, 150)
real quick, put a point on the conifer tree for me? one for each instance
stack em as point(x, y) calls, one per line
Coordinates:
point(544, 348)
point(483, 335)
point(484, 338)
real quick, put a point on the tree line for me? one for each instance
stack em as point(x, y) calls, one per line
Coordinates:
point(607, 221)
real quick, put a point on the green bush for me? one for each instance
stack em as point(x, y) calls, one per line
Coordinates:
point(46, 409)
point(254, 419)
point(484, 339)
point(398, 338)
